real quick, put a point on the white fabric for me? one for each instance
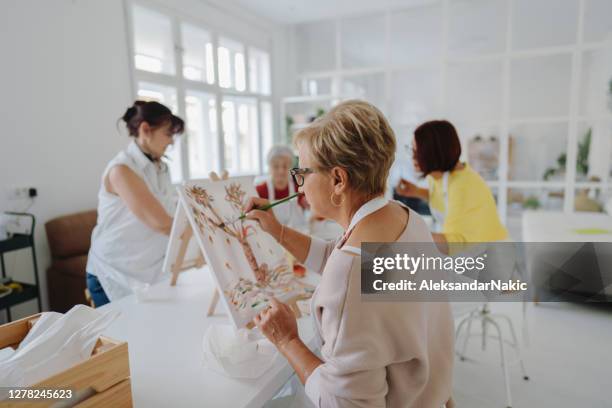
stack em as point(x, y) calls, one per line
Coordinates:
point(289, 213)
point(125, 253)
point(6, 353)
point(237, 354)
point(439, 216)
point(312, 386)
point(352, 249)
point(55, 343)
point(366, 209)
point(314, 261)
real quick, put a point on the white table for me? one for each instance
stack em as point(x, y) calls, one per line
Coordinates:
point(555, 226)
point(558, 232)
point(164, 335)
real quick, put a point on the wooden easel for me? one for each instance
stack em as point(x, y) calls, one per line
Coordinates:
point(180, 264)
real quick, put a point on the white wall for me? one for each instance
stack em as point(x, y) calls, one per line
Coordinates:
point(65, 78)
point(65, 82)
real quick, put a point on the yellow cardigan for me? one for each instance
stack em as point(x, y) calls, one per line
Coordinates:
point(472, 213)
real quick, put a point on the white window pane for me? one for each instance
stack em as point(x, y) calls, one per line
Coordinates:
point(197, 50)
point(267, 130)
point(594, 150)
point(367, 87)
point(537, 152)
point(225, 67)
point(540, 86)
point(362, 40)
point(474, 91)
point(241, 135)
point(316, 86)
point(316, 43)
point(300, 114)
point(532, 199)
point(416, 34)
point(240, 74)
point(153, 43)
point(415, 96)
point(166, 96)
point(595, 86)
point(480, 147)
point(231, 64)
point(597, 21)
point(201, 132)
point(477, 27)
point(259, 71)
point(544, 23)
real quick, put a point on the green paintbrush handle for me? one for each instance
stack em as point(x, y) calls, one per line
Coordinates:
point(274, 204)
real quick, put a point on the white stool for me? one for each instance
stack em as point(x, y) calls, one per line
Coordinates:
point(486, 318)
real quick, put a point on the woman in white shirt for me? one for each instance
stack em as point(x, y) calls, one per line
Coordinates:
point(373, 354)
point(136, 199)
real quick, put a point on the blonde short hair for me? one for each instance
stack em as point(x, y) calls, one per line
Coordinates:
point(355, 136)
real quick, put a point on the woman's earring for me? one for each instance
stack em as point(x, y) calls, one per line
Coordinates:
point(334, 203)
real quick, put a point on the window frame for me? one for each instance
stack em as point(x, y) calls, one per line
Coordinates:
point(182, 85)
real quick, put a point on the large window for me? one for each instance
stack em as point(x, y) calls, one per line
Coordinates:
point(529, 90)
point(218, 84)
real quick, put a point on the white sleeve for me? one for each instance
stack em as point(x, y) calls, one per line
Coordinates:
point(318, 253)
point(312, 388)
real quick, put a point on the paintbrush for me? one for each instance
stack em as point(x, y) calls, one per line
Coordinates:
point(262, 208)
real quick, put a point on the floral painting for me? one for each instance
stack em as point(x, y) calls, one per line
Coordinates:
point(248, 265)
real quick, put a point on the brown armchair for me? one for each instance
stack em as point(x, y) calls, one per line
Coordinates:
point(69, 240)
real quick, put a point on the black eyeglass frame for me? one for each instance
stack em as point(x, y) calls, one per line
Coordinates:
point(298, 174)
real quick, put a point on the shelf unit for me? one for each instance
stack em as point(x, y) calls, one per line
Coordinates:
point(29, 291)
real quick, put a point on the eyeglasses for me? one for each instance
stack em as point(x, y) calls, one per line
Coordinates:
point(298, 175)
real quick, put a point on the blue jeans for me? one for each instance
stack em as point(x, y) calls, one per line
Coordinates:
point(96, 291)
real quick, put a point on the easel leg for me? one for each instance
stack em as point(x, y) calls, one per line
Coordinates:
point(180, 257)
point(213, 303)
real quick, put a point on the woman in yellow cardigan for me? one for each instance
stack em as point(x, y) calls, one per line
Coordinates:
point(460, 201)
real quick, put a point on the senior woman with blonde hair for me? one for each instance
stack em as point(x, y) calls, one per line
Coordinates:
point(374, 354)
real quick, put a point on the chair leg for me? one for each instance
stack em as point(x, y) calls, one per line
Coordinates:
point(467, 336)
point(525, 327)
point(484, 332)
point(487, 319)
point(516, 344)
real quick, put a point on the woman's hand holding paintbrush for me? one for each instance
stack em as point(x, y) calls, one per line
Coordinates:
point(294, 241)
point(257, 209)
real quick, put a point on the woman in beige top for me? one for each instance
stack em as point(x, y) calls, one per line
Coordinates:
point(374, 354)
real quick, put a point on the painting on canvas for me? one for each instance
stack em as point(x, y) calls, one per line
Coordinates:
point(248, 264)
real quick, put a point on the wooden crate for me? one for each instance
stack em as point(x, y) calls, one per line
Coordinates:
point(103, 380)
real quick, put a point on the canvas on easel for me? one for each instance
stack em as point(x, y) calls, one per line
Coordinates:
point(183, 251)
point(247, 264)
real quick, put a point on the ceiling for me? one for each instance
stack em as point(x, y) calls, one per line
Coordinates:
point(298, 11)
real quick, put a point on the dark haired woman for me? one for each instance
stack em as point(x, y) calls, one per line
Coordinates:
point(135, 201)
point(460, 201)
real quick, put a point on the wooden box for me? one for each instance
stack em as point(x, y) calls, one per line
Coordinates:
point(103, 380)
